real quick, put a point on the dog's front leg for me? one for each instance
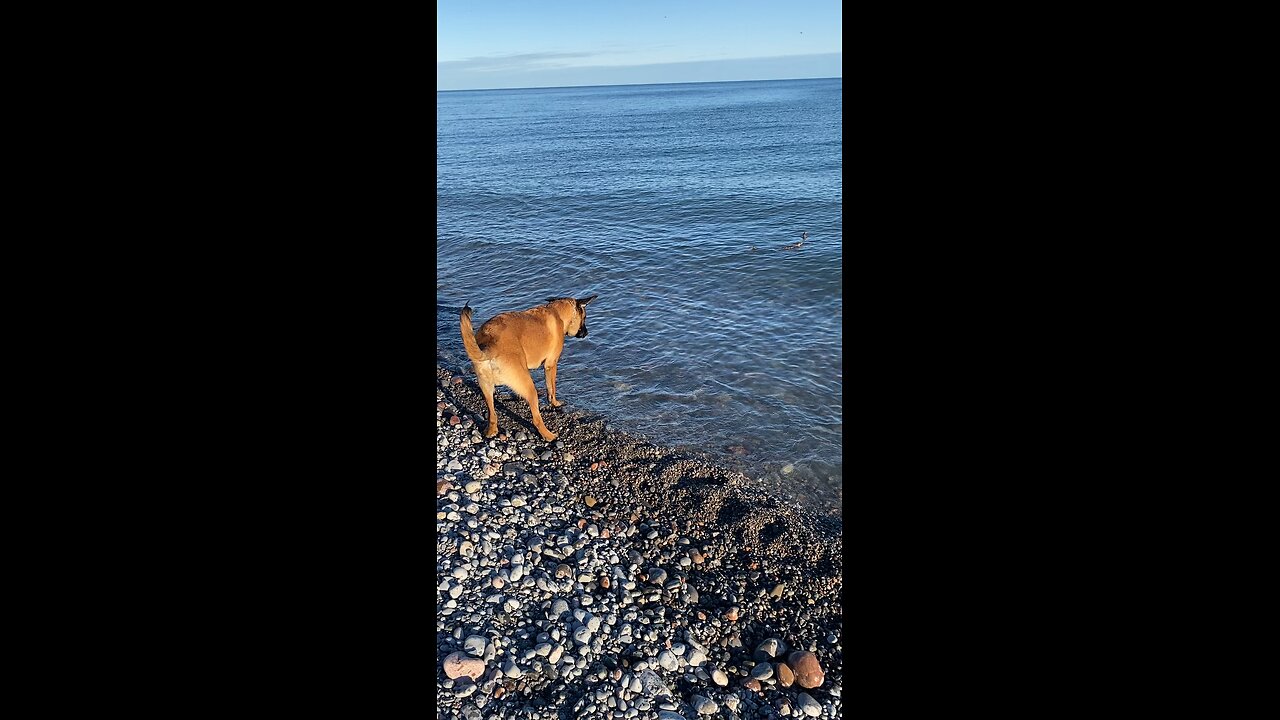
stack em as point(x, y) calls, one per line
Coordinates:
point(551, 385)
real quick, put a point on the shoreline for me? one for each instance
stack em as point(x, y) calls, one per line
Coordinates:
point(602, 575)
point(814, 491)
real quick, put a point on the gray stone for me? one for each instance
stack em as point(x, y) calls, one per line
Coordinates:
point(702, 705)
point(667, 660)
point(652, 685)
point(474, 644)
point(463, 689)
point(808, 705)
point(769, 649)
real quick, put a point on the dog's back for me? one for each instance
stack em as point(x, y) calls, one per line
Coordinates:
point(523, 337)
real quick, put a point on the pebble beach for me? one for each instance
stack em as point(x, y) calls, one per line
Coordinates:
point(602, 576)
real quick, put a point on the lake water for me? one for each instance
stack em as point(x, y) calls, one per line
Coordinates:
point(653, 197)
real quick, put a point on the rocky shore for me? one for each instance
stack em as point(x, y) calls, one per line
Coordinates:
point(602, 576)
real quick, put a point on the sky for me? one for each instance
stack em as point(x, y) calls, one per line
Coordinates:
point(489, 44)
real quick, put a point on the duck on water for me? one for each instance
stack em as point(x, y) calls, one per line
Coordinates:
point(796, 245)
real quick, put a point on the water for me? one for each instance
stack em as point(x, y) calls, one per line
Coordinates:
point(651, 196)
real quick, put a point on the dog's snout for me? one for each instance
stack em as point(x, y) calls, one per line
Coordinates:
point(582, 332)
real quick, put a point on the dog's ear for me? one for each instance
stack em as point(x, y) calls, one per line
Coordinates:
point(586, 300)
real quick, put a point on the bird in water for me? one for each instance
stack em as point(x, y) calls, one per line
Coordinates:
point(804, 235)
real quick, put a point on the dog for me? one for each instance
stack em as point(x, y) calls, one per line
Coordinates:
point(511, 344)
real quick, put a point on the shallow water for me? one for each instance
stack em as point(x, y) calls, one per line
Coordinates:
point(652, 197)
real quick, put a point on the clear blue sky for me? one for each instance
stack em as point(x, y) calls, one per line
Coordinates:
point(484, 44)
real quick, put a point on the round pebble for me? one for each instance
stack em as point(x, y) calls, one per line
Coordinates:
point(667, 660)
point(459, 664)
point(808, 705)
point(702, 705)
point(807, 669)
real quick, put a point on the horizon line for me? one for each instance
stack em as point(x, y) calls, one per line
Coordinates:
point(682, 82)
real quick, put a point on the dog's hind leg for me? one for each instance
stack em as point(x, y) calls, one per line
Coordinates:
point(523, 385)
point(486, 388)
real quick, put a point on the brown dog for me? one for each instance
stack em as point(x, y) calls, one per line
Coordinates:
point(511, 344)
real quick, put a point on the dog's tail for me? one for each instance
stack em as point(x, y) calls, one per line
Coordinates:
point(468, 335)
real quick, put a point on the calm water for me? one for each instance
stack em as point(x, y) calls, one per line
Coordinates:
point(651, 196)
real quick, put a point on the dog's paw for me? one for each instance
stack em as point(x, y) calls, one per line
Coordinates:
point(556, 403)
point(490, 432)
point(549, 436)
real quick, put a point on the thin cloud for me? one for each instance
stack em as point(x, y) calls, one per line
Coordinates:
point(450, 76)
point(513, 63)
